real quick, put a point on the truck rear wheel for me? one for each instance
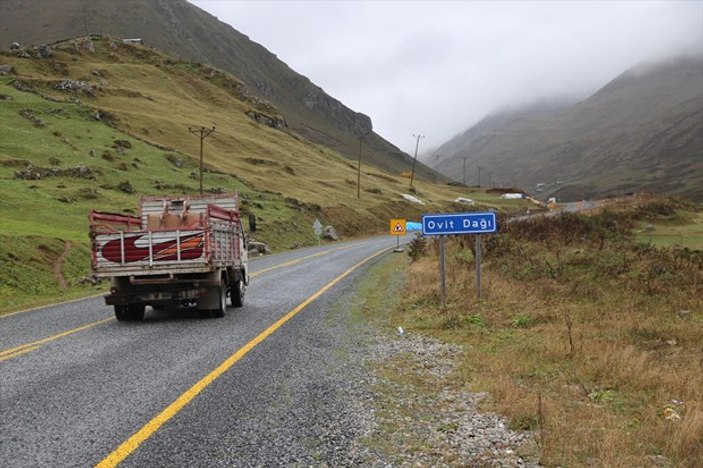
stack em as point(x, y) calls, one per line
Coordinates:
point(236, 294)
point(129, 312)
point(222, 300)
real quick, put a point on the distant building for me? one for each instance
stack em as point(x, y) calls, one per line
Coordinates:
point(137, 41)
point(512, 196)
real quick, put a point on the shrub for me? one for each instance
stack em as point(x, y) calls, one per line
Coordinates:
point(417, 247)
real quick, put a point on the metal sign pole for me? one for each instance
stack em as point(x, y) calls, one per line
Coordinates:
point(478, 265)
point(442, 272)
point(460, 223)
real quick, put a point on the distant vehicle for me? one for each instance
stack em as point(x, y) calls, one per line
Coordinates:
point(552, 203)
point(179, 251)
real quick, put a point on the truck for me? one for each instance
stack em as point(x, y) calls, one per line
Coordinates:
point(178, 252)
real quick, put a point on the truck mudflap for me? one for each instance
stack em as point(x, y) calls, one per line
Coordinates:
point(148, 297)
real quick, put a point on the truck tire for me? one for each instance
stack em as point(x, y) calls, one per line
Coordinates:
point(222, 300)
point(236, 294)
point(129, 312)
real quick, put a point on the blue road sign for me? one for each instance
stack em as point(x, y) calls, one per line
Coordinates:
point(459, 223)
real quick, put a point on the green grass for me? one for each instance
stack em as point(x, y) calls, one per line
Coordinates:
point(686, 231)
point(27, 275)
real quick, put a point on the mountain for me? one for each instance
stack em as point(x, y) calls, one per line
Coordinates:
point(643, 131)
point(182, 29)
point(94, 123)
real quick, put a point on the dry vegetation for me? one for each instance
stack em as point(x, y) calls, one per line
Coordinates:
point(593, 341)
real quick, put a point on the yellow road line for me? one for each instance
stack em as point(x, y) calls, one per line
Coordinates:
point(18, 353)
point(292, 262)
point(53, 304)
point(28, 347)
point(36, 344)
point(298, 260)
point(136, 439)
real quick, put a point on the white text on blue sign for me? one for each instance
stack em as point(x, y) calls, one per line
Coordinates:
point(460, 223)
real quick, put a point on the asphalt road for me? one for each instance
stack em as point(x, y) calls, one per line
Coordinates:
point(76, 385)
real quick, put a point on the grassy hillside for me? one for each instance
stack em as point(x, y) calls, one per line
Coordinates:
point(99, 123)
point(183, 30)
point(641, 132)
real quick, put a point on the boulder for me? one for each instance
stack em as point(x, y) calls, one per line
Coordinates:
point(75, 85)
point(125, 187)
point(175, 160)
point(330, 233)
point(122, 144)
point(259, 248)
point(45, 51)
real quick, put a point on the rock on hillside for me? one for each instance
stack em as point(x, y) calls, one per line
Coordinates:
point(641, 131)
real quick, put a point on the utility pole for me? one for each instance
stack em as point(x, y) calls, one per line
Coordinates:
point(464, 178)
point(417, 144)
point(479, 176)
point(358, 175)
point(203, 133)
point(436, 173)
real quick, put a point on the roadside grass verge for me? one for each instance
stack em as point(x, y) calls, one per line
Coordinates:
point(588, 338)
point(41, 270)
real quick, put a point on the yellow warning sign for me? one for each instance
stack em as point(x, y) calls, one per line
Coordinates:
point(397, 227)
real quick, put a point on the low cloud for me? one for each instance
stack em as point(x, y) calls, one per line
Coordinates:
point(439, 67)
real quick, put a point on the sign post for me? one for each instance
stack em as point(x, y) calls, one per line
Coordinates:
point(478, 265)
point(459, 223)
point(397, 229)
point(317, 227)
point(442, 275)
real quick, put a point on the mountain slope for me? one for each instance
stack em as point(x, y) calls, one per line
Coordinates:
point(184, 30)
point(94, 123)
point(641, 131)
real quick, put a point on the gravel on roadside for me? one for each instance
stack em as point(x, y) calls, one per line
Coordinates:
point(434, 423)
point(381, 399)
point(350, 392)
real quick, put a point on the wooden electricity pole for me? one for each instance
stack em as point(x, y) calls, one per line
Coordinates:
point(417, 143)
point(203, 133)
point(358, 173)
point(464, 179)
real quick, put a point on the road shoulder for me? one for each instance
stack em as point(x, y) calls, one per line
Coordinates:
point(420, 415)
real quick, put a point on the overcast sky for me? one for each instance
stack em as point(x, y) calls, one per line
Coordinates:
point(436, 68)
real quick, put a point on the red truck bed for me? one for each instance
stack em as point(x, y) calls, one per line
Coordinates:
point(171, 235)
